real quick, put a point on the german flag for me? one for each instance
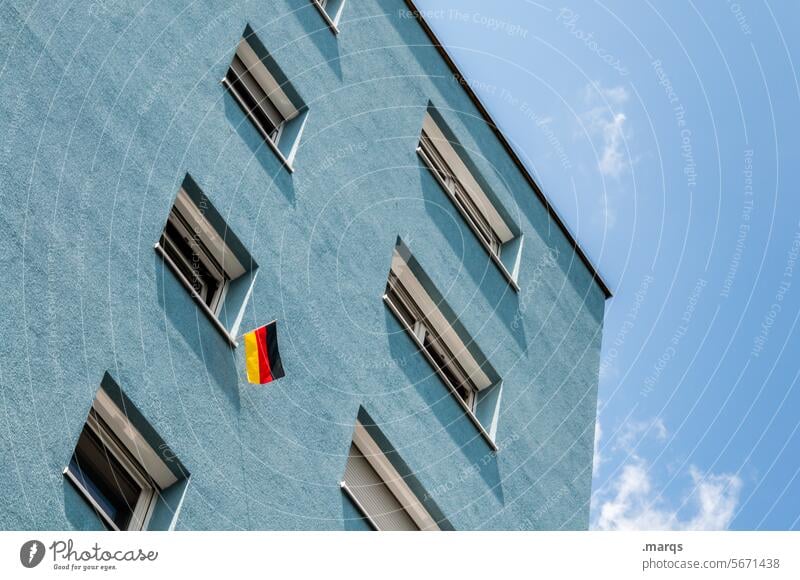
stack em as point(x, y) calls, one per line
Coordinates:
point(261, 354)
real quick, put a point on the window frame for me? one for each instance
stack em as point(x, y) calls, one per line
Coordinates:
point(423, 330)
point(199, 249)
point(418, 299)
point(331, 20)
point(203, 235)
point(141, 512)
point(246, 79)
point(461, 197)
point(274, 93)
point(390, 477)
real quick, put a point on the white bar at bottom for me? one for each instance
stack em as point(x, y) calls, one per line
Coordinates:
point(408, 555)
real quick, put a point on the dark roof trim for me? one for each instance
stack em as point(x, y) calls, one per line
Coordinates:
point(509, 149)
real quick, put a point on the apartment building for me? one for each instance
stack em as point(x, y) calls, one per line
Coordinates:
point(177, 174)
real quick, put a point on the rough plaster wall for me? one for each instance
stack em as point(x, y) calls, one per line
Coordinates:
point(105, 107)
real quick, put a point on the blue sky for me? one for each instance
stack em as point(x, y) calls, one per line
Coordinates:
point(666, 135)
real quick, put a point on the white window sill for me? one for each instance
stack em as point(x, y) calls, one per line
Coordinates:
point(258, 126)
point(495, 258)
point(326, 17)
point(88, 497)
point(359, 506)
point(200, 302)
point(469, 412)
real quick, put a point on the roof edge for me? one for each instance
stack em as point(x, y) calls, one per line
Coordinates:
point(507, 146)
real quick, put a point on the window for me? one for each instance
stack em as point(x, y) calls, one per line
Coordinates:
point(191, 256)
point(424, 319)
point(463, 200)
point(331, 11)
point(116, 470)
point(266, 97)
point(254, 99)
point(437, 351)
point(208, 265)
point(378, 491)
point(110, 478)
point(444, 343)
point(485, 217)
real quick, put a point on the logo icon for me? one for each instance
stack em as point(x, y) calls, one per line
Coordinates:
point(31, 553)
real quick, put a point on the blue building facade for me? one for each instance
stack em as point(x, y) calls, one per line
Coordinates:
point(117, 113)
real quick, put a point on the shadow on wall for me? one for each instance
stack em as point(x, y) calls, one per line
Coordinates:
point(278, 176)
point(535, 212)
point(197, 331)
point(439, 73)
point(321, 35)
point(404, 470)
point(479, 456)
point(502, 298)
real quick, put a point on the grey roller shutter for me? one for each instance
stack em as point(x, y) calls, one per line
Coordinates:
point(373, 494)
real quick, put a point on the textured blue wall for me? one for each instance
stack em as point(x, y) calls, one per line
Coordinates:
point(106, 106)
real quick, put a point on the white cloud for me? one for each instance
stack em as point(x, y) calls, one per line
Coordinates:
point(617, 95)
point(613, 160)
point(633, 432)
point(607, 121)
point(631, 502)
point(718, 497)
point(713, 498)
